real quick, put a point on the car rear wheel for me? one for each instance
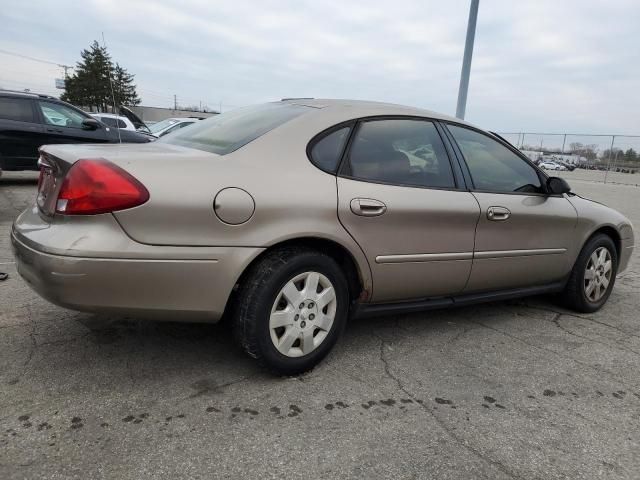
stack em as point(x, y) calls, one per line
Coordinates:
point(291, 308)
point(593, 275)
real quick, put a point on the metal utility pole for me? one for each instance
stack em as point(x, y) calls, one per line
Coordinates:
point(613, 140)
point(66, 68)
point(466, 60)
point(175, 102)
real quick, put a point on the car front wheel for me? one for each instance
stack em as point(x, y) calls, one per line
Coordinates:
point(292, 307)
point(593, 275)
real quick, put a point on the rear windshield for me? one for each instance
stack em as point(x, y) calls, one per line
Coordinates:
point(231, 130)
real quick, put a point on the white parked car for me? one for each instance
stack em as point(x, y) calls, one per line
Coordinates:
point(552, 166)
point(169, 125)
point(114, 121)
point(120, 121)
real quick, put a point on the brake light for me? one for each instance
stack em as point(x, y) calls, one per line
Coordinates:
point(94, 186)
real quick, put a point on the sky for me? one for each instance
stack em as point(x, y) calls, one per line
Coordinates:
point(538, 65)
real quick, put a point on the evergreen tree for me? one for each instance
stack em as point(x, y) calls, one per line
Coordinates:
point(630, 155)
point(124, 90)
point(90, 85)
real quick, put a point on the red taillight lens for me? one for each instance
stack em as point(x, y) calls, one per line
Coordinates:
point(98, 186)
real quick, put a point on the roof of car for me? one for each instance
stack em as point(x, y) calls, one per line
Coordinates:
point(371, 108)
point(20, 93)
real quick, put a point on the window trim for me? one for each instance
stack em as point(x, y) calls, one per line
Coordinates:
point(351, 124)
point(343, 170)
point(458, 169)
point(541, 175)
point(34, 113)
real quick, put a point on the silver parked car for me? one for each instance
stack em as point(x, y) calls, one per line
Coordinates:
point(549, 165)
point(291, 216)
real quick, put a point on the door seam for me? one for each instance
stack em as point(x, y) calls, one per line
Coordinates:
point(353, 238)
point(475, 236)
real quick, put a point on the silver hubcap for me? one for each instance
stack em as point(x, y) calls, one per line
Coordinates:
point(302, 315)
point(597, 276)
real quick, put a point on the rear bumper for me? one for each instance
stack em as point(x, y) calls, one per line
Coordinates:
point(172, 283)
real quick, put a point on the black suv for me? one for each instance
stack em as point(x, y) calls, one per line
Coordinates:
point(28, 121)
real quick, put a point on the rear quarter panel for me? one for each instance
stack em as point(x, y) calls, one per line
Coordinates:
point(292, 197)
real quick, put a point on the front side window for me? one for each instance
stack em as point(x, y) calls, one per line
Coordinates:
point(402, 152)
point(60, 115)
point(18, 109)
point(226, 132)
point(493, 166)
point(326, 152)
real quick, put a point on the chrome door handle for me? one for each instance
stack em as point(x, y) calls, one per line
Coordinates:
point(367, 207)
point(498, 214)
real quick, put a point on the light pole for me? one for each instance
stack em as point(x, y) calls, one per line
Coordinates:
point(466, 60)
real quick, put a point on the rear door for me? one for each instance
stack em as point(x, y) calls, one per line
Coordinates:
point(20, 134)
point(63, 124)
point(523, 234)
point(399, 198)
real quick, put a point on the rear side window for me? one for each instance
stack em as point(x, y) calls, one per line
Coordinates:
point(401, 152)
point(229, 131)
point(18, 109)
point(326, 152)
point(493, 166)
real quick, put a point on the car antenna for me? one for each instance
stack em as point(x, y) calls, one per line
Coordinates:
point(113, 97)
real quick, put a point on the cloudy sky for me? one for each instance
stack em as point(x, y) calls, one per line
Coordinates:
point(538, 65)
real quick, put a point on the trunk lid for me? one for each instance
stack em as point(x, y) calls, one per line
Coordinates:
point(137, 121)
point(144, 161)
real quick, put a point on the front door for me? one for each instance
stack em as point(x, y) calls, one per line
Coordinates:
point(523, 234)
point(397, 197)
point(63, 124)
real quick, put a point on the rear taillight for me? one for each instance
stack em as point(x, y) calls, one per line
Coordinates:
point(94, 186)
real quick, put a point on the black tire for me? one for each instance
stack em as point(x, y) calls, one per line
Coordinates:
point(574, 295)
point(258, 292)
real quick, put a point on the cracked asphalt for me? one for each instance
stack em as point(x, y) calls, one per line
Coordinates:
point(520, 389)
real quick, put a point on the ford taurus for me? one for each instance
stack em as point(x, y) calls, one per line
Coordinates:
point(290, 217)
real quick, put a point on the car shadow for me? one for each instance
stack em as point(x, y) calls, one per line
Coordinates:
point(207, 345)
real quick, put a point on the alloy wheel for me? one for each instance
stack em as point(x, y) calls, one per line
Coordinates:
point(597, 275)
point(302, 314)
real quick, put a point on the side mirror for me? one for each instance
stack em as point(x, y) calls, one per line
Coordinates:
point(90, 124)
point(557, 186)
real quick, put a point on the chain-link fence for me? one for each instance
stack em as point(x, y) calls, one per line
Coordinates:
point(601, 158)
